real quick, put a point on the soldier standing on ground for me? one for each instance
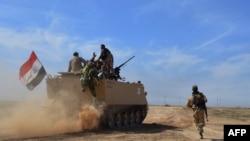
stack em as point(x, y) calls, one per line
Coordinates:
point(76, 63)
point(198, 103)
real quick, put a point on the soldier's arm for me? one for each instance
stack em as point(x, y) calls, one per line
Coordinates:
point(69, 68)
point(101, 55)
point(83, 60)
point(93, 57)
point(189, 103)
point(204, 97)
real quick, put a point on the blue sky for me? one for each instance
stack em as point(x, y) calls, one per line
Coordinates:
point(176, 43)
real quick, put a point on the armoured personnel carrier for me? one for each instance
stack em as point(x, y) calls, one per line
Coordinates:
point(123, 103)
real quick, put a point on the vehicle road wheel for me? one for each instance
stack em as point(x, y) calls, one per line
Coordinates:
point(111, 121)
point(126, 119)
point(138, 117)
point(132, 118)
point(144, 113)
point(119, 119)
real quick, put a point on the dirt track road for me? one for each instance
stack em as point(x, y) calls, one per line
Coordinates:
point(161, 124)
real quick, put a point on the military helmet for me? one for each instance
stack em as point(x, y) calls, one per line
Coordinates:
point(195, 88)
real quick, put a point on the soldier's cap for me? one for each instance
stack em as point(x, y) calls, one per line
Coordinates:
point(194, 87)
point(102, 46)
point(75, 54)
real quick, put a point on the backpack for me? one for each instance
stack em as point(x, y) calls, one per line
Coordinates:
point(199, 101)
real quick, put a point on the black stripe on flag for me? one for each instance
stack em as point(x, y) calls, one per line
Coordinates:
point(41, 74)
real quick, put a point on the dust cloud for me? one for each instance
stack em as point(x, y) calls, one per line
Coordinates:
point(31, 119)
point(89, 118)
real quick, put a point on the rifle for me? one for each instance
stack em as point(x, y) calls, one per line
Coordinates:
point(117, 69)
point(205, 108)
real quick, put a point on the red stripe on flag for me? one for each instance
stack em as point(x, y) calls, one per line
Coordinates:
point(27, 65)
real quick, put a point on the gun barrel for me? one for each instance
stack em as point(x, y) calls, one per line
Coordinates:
point(125, 62)
point(117, 69)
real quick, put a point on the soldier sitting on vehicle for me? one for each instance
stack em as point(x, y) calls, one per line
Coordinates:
point(76, 63)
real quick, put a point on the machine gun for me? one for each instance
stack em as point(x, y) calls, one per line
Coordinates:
point(117, 69)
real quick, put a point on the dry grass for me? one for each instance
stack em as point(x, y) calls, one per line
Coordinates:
point(242, 114)
point(174, 123)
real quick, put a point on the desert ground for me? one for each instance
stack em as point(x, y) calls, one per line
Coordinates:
point(163, 123)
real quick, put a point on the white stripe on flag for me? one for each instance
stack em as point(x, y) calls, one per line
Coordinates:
point(32, 73)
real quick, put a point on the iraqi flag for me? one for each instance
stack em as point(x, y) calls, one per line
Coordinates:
point(32, 72)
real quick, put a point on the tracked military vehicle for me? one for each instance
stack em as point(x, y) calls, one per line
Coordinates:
point(123, 103)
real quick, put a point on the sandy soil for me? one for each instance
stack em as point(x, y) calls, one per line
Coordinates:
point(161, 124)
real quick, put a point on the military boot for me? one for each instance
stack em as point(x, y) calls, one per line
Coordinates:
point(201, 133)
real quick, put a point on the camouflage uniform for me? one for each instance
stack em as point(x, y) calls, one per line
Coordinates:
point(88, 78)
point(197, 103)
point(76, 63)
point(107, 58)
